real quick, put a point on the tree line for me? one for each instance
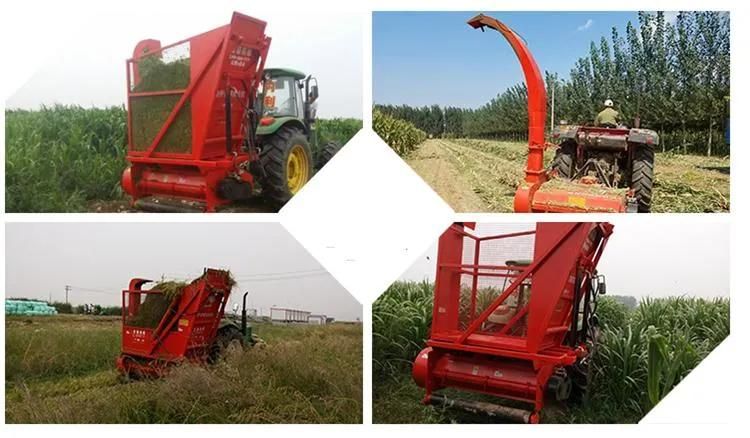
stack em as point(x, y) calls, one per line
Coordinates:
point(671, 77)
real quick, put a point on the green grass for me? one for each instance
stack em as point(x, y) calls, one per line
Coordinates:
point(642, 354)
point(61, 370)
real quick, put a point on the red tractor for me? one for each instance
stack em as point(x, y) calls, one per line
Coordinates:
point(175, 322)
point(514, 317)
point(596, 169)
point(610, 157)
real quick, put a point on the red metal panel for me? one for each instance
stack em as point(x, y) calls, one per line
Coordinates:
point(447, 281)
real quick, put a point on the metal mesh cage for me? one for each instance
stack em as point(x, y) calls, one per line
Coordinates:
point(159, 80)
point(490, 267)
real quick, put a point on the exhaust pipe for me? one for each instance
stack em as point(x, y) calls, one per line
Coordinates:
point(244, 316)
point(490, 409)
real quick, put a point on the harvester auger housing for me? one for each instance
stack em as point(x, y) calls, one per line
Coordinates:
point(513, 317)
point(163, 327)
point(583, 188)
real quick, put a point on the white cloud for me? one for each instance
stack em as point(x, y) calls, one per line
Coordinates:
point(586, 25)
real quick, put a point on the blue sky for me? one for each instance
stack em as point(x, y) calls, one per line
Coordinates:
point(422, 58)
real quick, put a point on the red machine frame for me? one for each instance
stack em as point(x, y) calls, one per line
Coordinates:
point(531, 195)
point(514, 360)
point(226, 68)
point(185, 332)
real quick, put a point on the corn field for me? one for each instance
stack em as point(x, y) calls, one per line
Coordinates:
point(402, 136)
point(642, 354)
point(59, 158)
point(63, 158)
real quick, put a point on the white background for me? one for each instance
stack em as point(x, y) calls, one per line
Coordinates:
point(366, 217)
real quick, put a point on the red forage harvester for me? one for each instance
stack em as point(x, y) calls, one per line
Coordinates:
point(514, 317)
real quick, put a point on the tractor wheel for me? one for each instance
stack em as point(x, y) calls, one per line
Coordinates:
point(642, 179)
point(287, 162)
point(225, 339)
point(565, 158)
point(580, 377)
point(326, 153)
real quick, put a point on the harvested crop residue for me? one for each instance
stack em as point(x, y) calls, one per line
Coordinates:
point(482, 176)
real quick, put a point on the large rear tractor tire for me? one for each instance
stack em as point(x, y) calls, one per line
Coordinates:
point(287, 162)
point(326, 153)
point(226, 338)
point(564, 161)
point(642, 180)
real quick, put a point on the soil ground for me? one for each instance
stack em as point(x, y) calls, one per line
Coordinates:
point(256, 205)
point(482, 176)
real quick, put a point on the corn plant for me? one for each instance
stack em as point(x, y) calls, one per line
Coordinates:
point(401, 318)
point(59, 158)
point(337, 129)
point(400, 135)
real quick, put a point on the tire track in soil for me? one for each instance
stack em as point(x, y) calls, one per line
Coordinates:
point(469, 180)
point(432, 162)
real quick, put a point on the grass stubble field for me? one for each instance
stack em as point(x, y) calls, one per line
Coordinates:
point(61, 369)
point(482, 175)
point(642, 354)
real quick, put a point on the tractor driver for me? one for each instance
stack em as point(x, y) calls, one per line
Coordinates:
point(608, 117)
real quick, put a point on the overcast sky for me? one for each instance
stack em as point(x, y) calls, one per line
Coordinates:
point(99, 259)
point(85, 61)
point(658, 259)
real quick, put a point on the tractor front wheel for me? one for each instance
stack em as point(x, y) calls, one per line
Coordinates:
point(326, 153)
point(564, 161)
point(642, 180)
point(287, 162)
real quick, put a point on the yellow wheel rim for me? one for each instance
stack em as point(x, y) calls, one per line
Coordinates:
point(297, 168)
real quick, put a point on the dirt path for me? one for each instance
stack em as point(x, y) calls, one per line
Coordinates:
point(469, 177)
point(482, 176)
point(433, 162)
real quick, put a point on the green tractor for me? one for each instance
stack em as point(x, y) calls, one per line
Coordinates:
point(290, 147)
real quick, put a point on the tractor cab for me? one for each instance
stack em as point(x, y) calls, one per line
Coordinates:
point(287, 95)
point(290, 150)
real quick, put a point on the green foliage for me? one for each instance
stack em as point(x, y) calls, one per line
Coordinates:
point(612, 313)
point(641, 354)
point(61, 370)
point(400, 135)
point(338, 129)
point(59, 158)
point(63, 307)
point(401, 318)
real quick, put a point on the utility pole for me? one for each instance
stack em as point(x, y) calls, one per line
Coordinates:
point(67, 290)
